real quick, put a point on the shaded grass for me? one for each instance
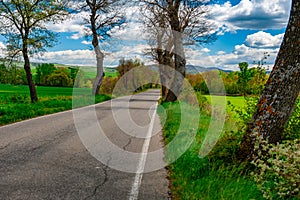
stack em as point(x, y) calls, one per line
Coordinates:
point(194, 178)
point(15, 102)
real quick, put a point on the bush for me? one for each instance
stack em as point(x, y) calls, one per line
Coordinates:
point(277, 171)
point(292, 130)
point(237, 119)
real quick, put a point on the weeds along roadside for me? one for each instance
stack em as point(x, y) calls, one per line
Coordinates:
point(217, 176)
point(220, 175)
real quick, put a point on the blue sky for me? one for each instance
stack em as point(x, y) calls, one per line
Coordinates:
point(246, 29)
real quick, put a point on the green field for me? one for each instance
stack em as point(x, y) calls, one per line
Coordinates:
point(10, 90)
point(236, 101)
point(89, 72)
point(15, 101)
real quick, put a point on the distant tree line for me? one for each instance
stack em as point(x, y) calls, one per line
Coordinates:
point(247, 81)
point(46, 75)
point(12, 75)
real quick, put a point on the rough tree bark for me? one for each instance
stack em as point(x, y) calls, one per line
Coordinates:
point(99, 55)
point(164, 58)
point(32, 89)
point(278, 99)
point(180, 60)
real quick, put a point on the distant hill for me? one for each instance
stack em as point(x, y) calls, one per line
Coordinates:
point(191, 69)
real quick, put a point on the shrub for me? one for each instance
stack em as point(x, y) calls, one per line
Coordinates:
point(277, 171)
point(292, 130)
point(108, 85)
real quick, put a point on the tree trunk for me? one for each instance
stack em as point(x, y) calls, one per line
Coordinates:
point(166, 73)
point(180, 61)
point(100, 71)
point(164, 58)
point(32, 89)
point(180, 65)
point(99, 55)
point(278, 99)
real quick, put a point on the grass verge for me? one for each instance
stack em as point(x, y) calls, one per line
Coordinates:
point(195, 178)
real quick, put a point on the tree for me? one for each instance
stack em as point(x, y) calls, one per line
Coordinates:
point(105, 15)
point(124, 67)
point(245, 76)
point(278, 99)
point(43, 71)
point(23, 24)
point(60, 78)
point(161, 44)
point(184, 18)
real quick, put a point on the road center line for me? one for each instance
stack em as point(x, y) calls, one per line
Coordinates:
point(134, 193)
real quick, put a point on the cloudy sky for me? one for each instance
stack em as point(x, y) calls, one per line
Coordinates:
point(246, 29)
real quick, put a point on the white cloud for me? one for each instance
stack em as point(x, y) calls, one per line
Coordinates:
point(88, 58)
point(86, 42)
point(205, 50)
point(221, 52)
point(251, 14)
point(74, 24)
point(242, 53)
point(69, 57)
point(264, 40)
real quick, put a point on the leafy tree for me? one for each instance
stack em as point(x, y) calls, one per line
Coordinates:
point(258, 80)
point(60, 77)
point(124, 67)
point(245, 76)
point(278, 98)
point(23, 24)
point(43, 71)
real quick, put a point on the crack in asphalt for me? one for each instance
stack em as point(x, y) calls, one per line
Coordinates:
point(2, 148)
point(10, 143)
point(105, 169)
point(128, 143)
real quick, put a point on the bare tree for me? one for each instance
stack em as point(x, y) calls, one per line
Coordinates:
point(23, 24)
point(104, 16)
point(278, 99)
point(185, 18)
point(161, 43)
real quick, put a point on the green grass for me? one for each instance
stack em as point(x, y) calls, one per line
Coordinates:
point(15, 102)
point(236, 101)
point(90, 72)
point(195, 178)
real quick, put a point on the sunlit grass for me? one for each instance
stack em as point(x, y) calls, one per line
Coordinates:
point(237, 101)
point(195, 178)
point(15, 102)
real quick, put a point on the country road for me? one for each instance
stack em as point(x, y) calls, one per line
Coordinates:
point(47, 157)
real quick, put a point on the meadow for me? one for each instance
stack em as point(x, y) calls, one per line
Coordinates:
point(89, 72)
point(15, 102)
point(238, 101)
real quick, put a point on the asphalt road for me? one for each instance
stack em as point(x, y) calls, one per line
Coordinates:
point(47, 157)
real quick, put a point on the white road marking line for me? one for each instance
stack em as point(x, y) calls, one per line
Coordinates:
point(139, 174)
